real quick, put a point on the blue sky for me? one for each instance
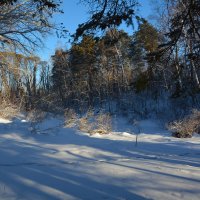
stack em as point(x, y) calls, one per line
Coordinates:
point(74, 14)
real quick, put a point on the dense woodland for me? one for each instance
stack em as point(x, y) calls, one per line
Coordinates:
point(154, 70)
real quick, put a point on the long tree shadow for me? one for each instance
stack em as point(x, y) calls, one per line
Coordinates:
point(170, 152)
point(27, 173)
point(30, 172)
point(177, 152)
point(69, 181)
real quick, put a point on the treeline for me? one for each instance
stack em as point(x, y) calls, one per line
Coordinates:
point(23, 79)
point(22, 75)
point(142, 73)
point(100, 71)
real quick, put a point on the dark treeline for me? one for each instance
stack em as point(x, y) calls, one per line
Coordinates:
point(151, 71)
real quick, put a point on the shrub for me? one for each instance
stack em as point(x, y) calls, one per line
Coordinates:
point(8, 110)
point(196, 118)
point(187, 127)
point(89, 123)
point(86, 123)
point(71, 118)
point(35, 117)
point(103, 123)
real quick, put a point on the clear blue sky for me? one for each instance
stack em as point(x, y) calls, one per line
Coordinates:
point(74, 14)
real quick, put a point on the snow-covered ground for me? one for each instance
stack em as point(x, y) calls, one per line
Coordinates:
point(65, 164)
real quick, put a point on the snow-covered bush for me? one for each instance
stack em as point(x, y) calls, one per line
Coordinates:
point(35, 117)
point(71, 118)
point(103, 123)
point(86, 123)
point(90, 122)
point(196, 118)
point(100, 123)
point(180, 129)
point(186, 127)
point(8, 111)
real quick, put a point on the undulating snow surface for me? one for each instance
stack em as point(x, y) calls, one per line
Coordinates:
point(68, 165)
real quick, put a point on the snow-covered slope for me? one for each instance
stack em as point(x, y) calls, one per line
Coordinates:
point(65, 164)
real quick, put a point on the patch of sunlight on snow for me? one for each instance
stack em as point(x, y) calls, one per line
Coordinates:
point(5, 121)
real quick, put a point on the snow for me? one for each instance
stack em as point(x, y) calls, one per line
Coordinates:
point(64, 164)
point(5, 121)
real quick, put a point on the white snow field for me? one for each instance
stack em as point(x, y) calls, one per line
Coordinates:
point(68, 165)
